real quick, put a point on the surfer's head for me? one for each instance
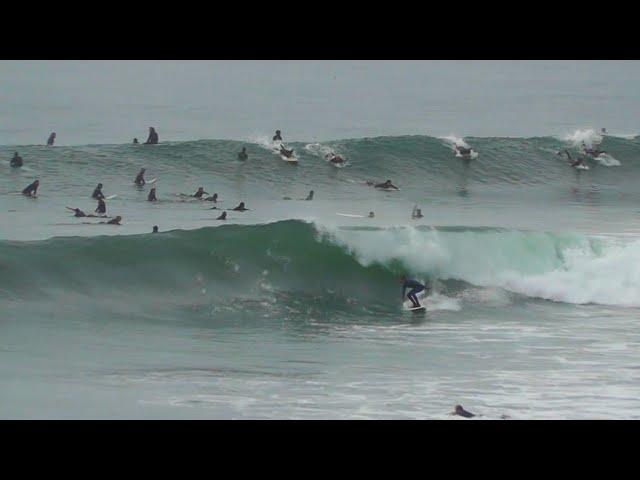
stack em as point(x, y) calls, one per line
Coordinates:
point(241, 205)
point(99, 185)
point(403, 278)
point(200, 189)
point(371, 215)
point(277, 132)
point(36, 183)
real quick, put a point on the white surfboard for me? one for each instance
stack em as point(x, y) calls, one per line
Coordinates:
point(581, 167)
point(110, 197)
point(289, 160)
point(351, 215)
point(153, 181)
point(421, 308)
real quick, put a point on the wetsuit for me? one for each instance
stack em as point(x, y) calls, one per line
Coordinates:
point(153, 138)
point(140, 180)
point(97, 193)
point(242, 155)
point(52, 138)
point(200, 193)
point(416, 287)
point(386, 185)
point(79, 213)
point(16, 161)
point(102, 207)
point(277, 137)
point(31, 190)
point(152, 195)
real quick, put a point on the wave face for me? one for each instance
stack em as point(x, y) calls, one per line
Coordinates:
point(356, 265)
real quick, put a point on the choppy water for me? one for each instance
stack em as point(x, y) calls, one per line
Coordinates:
point(289, 310)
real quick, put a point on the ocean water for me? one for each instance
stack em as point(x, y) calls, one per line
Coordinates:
point(291, 310)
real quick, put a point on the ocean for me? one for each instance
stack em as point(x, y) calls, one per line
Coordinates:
point(293, 309)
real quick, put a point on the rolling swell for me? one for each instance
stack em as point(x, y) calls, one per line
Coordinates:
point(297, 258)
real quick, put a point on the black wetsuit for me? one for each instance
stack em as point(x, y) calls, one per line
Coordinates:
point(97, 193)
point(52, 138)
point(199, 194)
point(243, 155)
point(140, 179)
point(102, 207)
point(79, 213)
point(277, 137)
point(153, 138)
point(464, 413)
point(16, 161)
point(386, 185)
point(152, 195)
point(31, 190)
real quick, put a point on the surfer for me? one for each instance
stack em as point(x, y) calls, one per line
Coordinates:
point(415, 286)
point(51, 139)
point(78, 212)
point(387, 185)
point(416, 213)
point(243, 154)
point(102, 207)
point(572, 163)
point(152, 195)
point(114, 221)
point(371, 215)
point(140, 178)
point(594, 152)
point(460, 411)
point(135, 141)
point(97, 193)
point(310, 196)
point(199, 193)
point(155, 229)
point(16, 161)
point(32, 189)
point(240, 208)
point(213, 198)
point(286, 153)
point(153, 137)
point(333, 158)
point(223, 216)
point(462, 150)
point(277, 137)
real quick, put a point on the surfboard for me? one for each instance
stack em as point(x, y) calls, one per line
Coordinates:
point(110, 197)
point(289, 160)
point(351, 215)
point(581, 167)
point(153, 181)
point(421, 308)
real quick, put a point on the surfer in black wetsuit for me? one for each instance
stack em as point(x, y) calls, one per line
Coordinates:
point(51, 139)
point(387, 185)
point(32, 189)
point(277, 137)
point(102, 207)
point(213, 198)
point(155, 229)
point(572, 163)
point(153, 137)
point(243, 154)
point(415, 286)
point(152, 195)
point(286, 153)
point(77, 212)
point(97, 193)
point(114, 221)
point(16, 161)
point(140, 178)
point(416, 213)
point(310, 196)
point(135, 141)
point(240, 208)
point(461, 412)
point(200, 193)
point(223, 216)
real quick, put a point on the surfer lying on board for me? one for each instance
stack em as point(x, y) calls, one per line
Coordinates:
point(223, 216)
point(460, 411)
point(387, 185)
point(572, 163)
point(97, 193)
point(114, 221)
point(240, 208)
point(415, 286)
point(140, 178)
point(32, 189)
point(200, 193)
point(78, 212)
point(152, 195)
point(213, 198)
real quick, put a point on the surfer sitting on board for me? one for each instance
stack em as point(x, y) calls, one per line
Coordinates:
point(277, 137)
point(415, 286)
point(16, 161)
point(153, 137)
point(32, 189)
point(387, 185)
point(152, 195)
point(135, 141)
point(200, 193)
point(213, 198)
point(243, 154)
point(140, 178)
point(97, 193)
